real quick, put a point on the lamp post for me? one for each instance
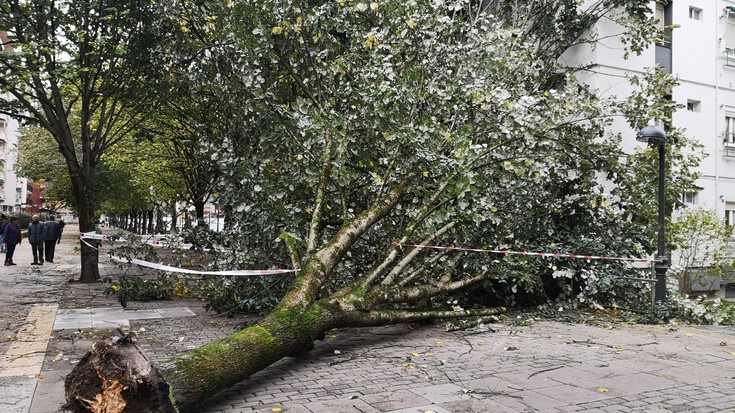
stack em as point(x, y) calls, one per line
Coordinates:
point(653, 135)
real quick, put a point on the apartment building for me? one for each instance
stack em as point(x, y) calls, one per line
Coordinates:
point(14, 190)
point(697, 44)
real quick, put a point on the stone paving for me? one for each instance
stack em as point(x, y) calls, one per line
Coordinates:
point(549, 367)
point(542, 367)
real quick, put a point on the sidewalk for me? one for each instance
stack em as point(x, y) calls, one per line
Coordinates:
point(28, 308)
point(544, 367)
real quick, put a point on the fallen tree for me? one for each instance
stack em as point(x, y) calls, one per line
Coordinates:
point(115, 369)
point(360, 124)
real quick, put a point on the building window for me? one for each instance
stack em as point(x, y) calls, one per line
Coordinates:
point(730, 129)
point(662, 19)
point(693, 105)
point(660, 16)
point(730, 37)
point(730, 217)
point(689, 198)
point(695, 13)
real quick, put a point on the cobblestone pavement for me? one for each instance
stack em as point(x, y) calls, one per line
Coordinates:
point(542, 367)
point(548, 367)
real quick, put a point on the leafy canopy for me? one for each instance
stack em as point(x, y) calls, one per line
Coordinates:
point(464, 104)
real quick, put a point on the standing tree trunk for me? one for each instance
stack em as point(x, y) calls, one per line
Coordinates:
point(160, 224)
point(199, 208)
point(85, 199)
point(174, 218)
point(150, 228)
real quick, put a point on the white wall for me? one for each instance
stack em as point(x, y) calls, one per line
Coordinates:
point(10, 154)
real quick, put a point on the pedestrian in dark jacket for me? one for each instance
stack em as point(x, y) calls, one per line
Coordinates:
point(11, 238)
point(36, 236)
point(3, 223)
point(61, 230)
point(53, 234)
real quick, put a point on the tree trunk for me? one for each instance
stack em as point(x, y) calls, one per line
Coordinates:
point(199, 208)
point(150, 221)
point(136, 222)
point(160, 224)
point(174, 218)
point(184, 382)
point(89, 254)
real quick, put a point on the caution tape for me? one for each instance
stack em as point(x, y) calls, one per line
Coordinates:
point(94, 235)
point(164, 241)
point(157, 241)
point(169, 268)
point(538, 254)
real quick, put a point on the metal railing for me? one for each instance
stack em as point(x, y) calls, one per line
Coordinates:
point(729, 149)
point(729, 56)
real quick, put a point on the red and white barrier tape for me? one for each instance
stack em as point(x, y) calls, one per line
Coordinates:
point(154, 240)
point(84, 239)
point(94, 235)
point(169, 268)
point(164, 241)
point(539, 254)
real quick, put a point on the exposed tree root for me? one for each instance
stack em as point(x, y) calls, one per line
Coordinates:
point(115, 376)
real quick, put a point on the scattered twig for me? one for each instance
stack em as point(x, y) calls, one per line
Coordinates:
point(545, 370)
point(345, 360)
point(647, 344)
point(493, 393)
point(592, 343)
point(463, 338)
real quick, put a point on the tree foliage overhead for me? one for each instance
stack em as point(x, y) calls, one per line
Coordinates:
point(80, 70)
point(462, 106)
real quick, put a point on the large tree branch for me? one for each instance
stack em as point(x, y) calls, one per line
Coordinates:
point(320, 265)
point(428, 264)
point(393, 294)
point(383, 317)
point(319, 202)
point(393, 274)
point(374, 275)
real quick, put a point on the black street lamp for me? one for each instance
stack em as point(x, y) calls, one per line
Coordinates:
point(653, 135)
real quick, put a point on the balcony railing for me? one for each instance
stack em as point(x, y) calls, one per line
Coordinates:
point(729, 56)
point(729, 150)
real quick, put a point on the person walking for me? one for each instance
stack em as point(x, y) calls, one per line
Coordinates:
point(52, 235)
point(36, 236)
point(11, 238)
point(3, 223)
point(61, 230)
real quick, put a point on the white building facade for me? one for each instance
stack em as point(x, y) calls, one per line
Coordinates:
point(698, 46)
point(14, 190)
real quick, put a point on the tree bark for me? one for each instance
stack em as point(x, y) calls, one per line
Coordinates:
point(199, 208)
point(89, 255)
point(150, 229)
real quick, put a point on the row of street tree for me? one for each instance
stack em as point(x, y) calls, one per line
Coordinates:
point(329, 129)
